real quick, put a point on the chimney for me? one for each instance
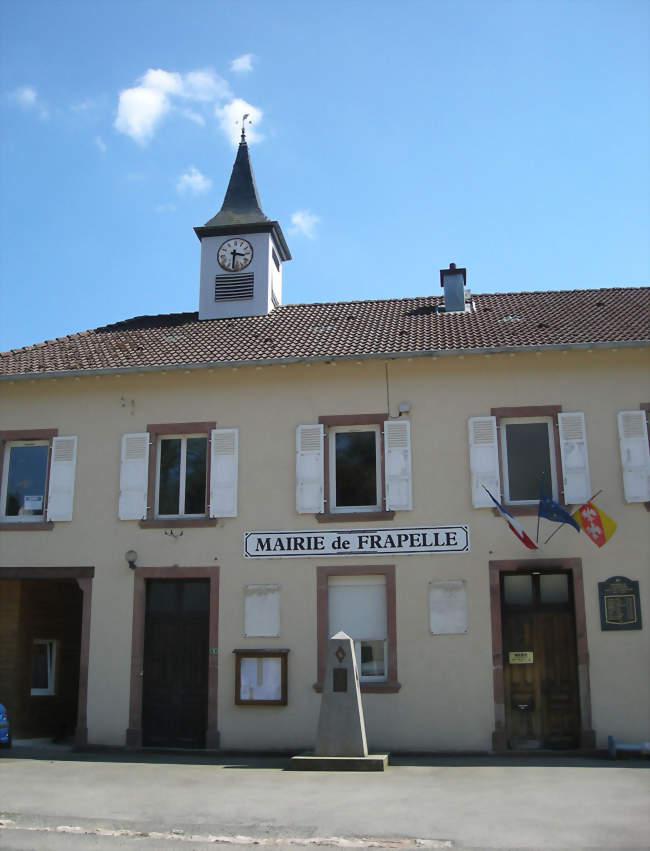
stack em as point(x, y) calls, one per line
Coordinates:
point(453, 280)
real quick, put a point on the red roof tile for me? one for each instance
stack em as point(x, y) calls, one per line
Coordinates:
point(351, 329)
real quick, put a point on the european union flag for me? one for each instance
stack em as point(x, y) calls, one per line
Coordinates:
point(549, 509)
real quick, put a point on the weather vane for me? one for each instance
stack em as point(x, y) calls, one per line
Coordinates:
point(243, 127)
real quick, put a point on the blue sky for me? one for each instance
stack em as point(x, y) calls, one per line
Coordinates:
point(507, 136)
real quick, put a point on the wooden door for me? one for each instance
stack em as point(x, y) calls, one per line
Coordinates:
point(175, 671)
point(540, 666)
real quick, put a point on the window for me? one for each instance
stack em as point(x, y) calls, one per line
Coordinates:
point(354, 468)
point(516, 452)
point(361, 603)
point(25, 474)
point(261, 677)
point(357, 606)
point(185, 472)
point(353, 465)
point(528, 459)
point(181, 476)
point(43, 666)
point(37, 471)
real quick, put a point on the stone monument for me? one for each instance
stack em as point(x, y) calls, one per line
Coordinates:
point(341, 738)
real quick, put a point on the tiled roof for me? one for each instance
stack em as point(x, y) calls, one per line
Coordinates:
point(323, 331)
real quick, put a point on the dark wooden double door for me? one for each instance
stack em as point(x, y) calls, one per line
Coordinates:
point(540, 665)
point(175, 670)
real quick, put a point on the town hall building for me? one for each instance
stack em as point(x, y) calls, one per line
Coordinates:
point(192, 503)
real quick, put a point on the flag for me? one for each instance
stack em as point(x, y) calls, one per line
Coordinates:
point(595, 523)
point(514, 525)
point(549, 509)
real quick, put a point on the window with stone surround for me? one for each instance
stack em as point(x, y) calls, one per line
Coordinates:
point(361, 602)
point(353, 467)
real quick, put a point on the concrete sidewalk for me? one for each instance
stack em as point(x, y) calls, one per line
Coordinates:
point(118, 800)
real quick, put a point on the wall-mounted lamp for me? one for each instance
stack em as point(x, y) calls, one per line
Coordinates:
point(131, 557)
point(404, 408)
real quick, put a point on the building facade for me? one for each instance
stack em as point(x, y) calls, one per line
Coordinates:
point(192, 503)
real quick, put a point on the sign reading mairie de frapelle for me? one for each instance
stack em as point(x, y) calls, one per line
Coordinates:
point(357, 542)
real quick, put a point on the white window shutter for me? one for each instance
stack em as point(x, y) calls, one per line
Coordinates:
point(397, 461)
point(134, 471)
point(484, 460)
point(60, 496)
point(575, 461)
point(223, 472)
point(309, 469)
point(635, 455)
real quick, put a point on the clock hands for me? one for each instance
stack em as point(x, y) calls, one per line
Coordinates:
point(234, 254)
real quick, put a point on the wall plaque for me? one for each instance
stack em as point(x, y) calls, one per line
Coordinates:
point(520, 657)
point(620, 604)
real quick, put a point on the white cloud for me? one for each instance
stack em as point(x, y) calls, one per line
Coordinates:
point(243, 63)
point(304, 222)
point(25, 95)
point(205, 86)
point(165, 208)
point(141, 108)
point(193, 181)
point(27, 98)
point(196, 117)
point(230, 117)
point(101, 144)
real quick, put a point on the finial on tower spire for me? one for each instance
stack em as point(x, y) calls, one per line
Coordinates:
point(243, 127)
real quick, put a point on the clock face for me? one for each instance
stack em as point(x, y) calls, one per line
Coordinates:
point(235, 254)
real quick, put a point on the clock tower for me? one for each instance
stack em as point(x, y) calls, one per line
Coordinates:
point(242, 251)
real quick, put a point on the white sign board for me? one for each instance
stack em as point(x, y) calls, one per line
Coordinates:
point(448, 607)
point(357, 542)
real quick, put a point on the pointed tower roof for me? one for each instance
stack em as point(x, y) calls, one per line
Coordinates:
point(241, 210)
point(241, 204)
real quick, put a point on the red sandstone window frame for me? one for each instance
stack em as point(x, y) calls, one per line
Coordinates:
point(323, 574)
point(157, 431)
point(330, 421)
point(532, 412)
point(36, 434)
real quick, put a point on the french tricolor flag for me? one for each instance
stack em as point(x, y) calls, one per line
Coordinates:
point(513, 524)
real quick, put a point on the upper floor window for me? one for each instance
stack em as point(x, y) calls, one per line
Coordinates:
point(181, 476)
point(353, 464)
point(24, 479)
point(37, 475)
point(518, 452)
point(355, 468)
point(181, 471)
point(528, 459)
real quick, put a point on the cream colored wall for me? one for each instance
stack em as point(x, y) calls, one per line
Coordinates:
point(446, 700)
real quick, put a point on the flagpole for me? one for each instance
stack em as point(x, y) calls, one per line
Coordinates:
point(564, 524)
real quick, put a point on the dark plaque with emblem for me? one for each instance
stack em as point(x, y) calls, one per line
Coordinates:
point(620, 606)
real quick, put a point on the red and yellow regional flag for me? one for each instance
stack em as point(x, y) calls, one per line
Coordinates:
point(594, 523)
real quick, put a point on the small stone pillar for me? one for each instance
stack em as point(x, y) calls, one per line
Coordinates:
point(341, 728)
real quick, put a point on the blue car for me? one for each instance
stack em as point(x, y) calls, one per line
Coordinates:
point(5, 732)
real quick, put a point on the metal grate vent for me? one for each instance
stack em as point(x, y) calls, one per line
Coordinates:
point(233, 287)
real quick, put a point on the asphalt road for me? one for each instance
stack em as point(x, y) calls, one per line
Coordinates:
point(62, 801)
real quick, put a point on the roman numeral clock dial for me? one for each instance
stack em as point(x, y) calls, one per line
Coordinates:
point(235, 254)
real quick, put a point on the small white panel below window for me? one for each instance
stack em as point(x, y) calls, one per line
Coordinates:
point(262, 610)
point(448, 607)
